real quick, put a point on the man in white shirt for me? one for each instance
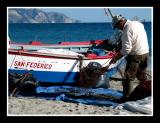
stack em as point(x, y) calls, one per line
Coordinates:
point(135, 48)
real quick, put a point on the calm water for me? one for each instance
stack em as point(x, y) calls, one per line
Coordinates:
point(57, 32)
point(53, 33)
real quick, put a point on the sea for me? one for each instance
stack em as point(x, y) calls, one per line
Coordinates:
point(52, 33)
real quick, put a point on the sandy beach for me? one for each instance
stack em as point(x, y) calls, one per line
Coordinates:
point(35, 106)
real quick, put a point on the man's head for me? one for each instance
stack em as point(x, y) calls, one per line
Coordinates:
point(118, 22)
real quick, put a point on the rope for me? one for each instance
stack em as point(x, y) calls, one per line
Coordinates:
point(21, 55)
point(21, 80)
point(12, 61)
point(111, 58)
point(106, 62)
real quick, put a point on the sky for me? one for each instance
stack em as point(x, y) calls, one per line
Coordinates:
point(97, 14)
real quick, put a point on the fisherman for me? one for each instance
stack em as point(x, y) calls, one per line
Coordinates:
point(135, 49)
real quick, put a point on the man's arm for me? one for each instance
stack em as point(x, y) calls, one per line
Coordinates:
point(117, 56)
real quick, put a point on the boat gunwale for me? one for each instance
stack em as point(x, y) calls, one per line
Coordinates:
point(49, 55)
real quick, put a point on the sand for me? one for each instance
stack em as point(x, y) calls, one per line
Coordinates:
point(35, 106)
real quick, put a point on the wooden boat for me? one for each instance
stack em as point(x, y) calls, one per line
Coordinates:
point(52, 65)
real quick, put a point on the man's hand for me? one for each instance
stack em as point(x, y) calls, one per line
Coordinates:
point(103, 69)
point(117, 56)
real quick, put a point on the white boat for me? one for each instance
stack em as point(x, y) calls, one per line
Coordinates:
point(52, 65)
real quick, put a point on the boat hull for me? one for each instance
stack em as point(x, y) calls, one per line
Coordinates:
point(50, 76)
point(49, 67)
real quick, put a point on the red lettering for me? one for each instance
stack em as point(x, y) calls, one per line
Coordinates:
point(50, 66)
point(46, 66)
point(42, 66)
point(35, 65)
point(22, 64)
point(15, 63)
point(19, 63)
point(39, 65)
point(32, 65)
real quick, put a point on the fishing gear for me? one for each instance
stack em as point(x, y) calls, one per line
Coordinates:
point(24, 83)
point(109, 12)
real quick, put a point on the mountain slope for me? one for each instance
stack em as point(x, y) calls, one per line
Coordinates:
point(37, 16)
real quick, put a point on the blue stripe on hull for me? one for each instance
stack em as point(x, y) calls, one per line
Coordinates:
point(47, 76)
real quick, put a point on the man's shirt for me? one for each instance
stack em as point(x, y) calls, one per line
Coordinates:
point(134, 39)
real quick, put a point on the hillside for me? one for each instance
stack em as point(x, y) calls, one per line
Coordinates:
point(37, 16)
